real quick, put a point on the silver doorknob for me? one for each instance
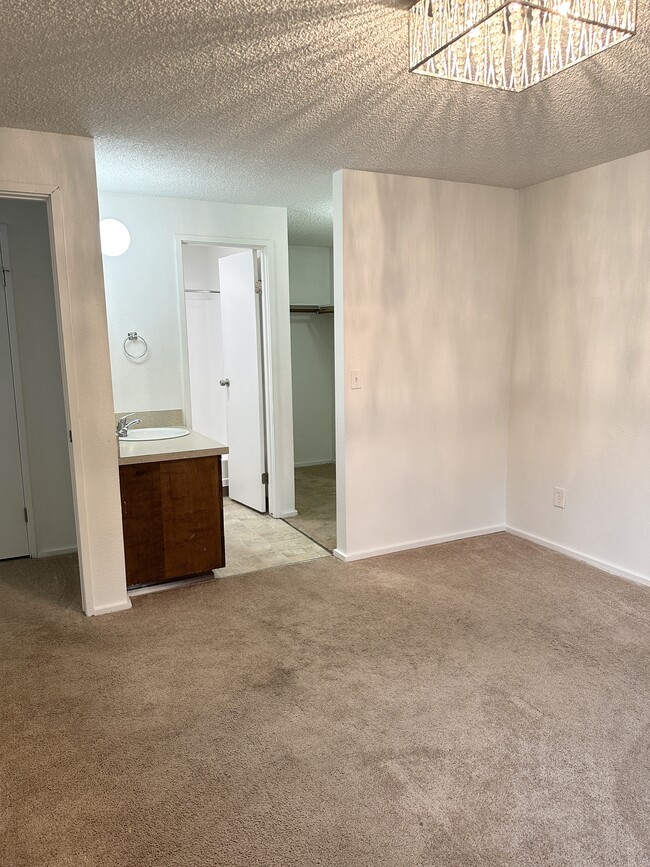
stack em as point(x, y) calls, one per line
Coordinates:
point(224, 382)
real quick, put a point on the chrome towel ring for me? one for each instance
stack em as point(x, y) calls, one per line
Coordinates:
point(133, 338)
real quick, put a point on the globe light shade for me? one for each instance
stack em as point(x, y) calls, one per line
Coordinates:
point(115, 237)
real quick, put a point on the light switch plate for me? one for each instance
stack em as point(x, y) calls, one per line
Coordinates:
point(355, 379)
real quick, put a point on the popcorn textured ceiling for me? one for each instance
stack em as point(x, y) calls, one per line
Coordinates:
point(260, 102)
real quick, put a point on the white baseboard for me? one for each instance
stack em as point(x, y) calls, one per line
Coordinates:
point(171, 585)
point(291, 514)
point(419, 543)
point(111, 608)
point(56, 552)
point(577, 555)
point(314, 463)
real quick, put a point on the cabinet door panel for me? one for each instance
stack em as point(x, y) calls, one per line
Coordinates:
point(192, 516)
point(142, 523)
point(172, 517)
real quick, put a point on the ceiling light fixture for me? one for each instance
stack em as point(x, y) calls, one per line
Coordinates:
point(115, 237)
point(510, 46)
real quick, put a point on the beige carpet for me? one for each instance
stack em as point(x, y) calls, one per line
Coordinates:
point(484, 702)
point(316, 504)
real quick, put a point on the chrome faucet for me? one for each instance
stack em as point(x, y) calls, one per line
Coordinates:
point(123, 425)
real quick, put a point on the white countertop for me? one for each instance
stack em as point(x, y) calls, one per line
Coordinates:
point(194, 445)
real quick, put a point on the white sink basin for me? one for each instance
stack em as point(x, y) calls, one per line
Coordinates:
point(143, 434)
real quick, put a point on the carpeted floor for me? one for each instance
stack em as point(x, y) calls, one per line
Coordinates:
point(483, 702)
point(316, 504)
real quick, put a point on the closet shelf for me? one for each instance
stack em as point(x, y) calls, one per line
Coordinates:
point(310, 308)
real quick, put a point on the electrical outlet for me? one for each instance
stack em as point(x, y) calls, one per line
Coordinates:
point(355, 379)
point(559, 497)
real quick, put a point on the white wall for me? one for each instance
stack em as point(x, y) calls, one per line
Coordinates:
point(41, 375)
point(423, 291)
point(310, 275)
point(205, 343)
point(581, 382)
point(143, 294)
point(62, 170)
point(201, 267)
point(312, 355)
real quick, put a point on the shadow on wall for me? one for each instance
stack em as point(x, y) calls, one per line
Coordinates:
point(580, 417)
point(428, 294)
point(427, 308)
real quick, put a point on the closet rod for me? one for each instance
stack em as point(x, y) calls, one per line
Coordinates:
point(310, 308)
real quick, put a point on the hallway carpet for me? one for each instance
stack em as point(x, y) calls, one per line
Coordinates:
point(316, 504)
point(483, 702)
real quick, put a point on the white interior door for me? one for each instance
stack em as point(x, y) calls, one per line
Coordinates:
point(205, 361)
point(14, 541)
point(242, 359)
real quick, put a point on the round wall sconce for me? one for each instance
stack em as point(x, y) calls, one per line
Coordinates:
point(115, 237)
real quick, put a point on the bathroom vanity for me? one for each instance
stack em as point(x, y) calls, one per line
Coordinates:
point(172, 508)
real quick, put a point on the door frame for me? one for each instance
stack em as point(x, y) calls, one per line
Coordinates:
point(270, 349)
point(85, 521)
point(5, 263)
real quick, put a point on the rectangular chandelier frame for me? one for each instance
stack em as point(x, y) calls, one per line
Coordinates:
point(512, 45)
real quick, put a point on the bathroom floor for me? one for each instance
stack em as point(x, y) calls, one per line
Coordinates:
point(255, 541)
point(316, 504)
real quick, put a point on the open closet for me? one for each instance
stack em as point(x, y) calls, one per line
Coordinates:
point(312, 367)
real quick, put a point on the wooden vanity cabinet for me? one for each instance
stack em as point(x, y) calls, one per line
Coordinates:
point(172, 517)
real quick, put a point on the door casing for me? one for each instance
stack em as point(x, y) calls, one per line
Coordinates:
point(270, 354)
point(85, 520)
